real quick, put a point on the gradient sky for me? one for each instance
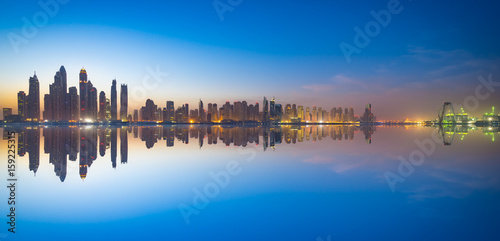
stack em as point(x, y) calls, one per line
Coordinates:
point(428, 53)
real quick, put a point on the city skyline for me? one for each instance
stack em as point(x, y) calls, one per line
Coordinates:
point(59, 105)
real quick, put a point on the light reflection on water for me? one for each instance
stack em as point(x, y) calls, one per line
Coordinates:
point(320, 180)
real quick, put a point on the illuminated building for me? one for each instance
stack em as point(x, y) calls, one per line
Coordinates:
point(368, 115)
point(7, 112)
point(265, 111)
point(88, 99)
point(149, 112)
point(21, 105)
point(102, 106)
point(272, 110)
point(93, 102)
point(300, 112)
point(33, 107)
point(74, 108)
point(108, 109)
point(84, 95)
point(123, 102)
point(170, 111)
point(55, 102)
point(314, 114)
point(114, 101)
point(201, 112)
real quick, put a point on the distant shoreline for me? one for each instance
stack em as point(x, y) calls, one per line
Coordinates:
point(197, 124)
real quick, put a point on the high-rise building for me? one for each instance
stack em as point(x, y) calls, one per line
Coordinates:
point(215, 112)
point(256, 111)
point(300, 112)
point(21, 105)
point(7, 112)
point(123, 102)
point(84, 96)
point(265, 111)
point(272, 110)
point(74, 108)
point(114, 101)
point(93, 103)
point(108, 109)
point(368, 115)
point(278, 113)
point(149, 112)
point(64, 79)
point(288, 112)
point(201, 112)
point(57, 101)
point(209, 112)
point(314, 114)
point(33, 110)
point(170, 111)
point(102, 106)
point(136, 115)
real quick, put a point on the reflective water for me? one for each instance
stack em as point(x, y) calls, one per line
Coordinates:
point(253, 183)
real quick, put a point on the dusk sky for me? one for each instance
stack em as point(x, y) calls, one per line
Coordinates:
point(429, 52)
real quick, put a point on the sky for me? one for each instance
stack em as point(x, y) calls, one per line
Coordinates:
point(406, 65)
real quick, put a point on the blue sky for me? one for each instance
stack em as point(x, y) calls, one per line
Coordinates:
point(428, 53)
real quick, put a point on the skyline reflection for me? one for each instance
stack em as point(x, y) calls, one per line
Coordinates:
point(88, 142)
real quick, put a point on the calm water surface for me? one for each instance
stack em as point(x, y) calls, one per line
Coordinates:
point(253, 183)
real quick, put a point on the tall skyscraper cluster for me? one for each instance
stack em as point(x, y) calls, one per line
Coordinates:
point(66, 105)
point(63, 105)
point(241, 111)
point(29, 105)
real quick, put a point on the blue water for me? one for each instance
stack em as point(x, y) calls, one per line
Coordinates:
point(303, 183)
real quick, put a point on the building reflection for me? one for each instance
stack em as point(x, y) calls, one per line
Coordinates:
point(63, 144)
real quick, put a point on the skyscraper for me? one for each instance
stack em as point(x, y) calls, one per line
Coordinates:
point(102, 106)
point(84, 96)
point(33, 110)
point(92, 102)
point(170, 111)
point(56, 101)
point(368, 115)
point(265, 111)
point(114, 101)
point(201, 111)
point(136, 115)
point(300, 113)
point(108, 109)
point(123, 102)
point(21, 105)
point(64, 79)
point(73, 103)
point(272, 110)
point(148, 112)
point(314, 114)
